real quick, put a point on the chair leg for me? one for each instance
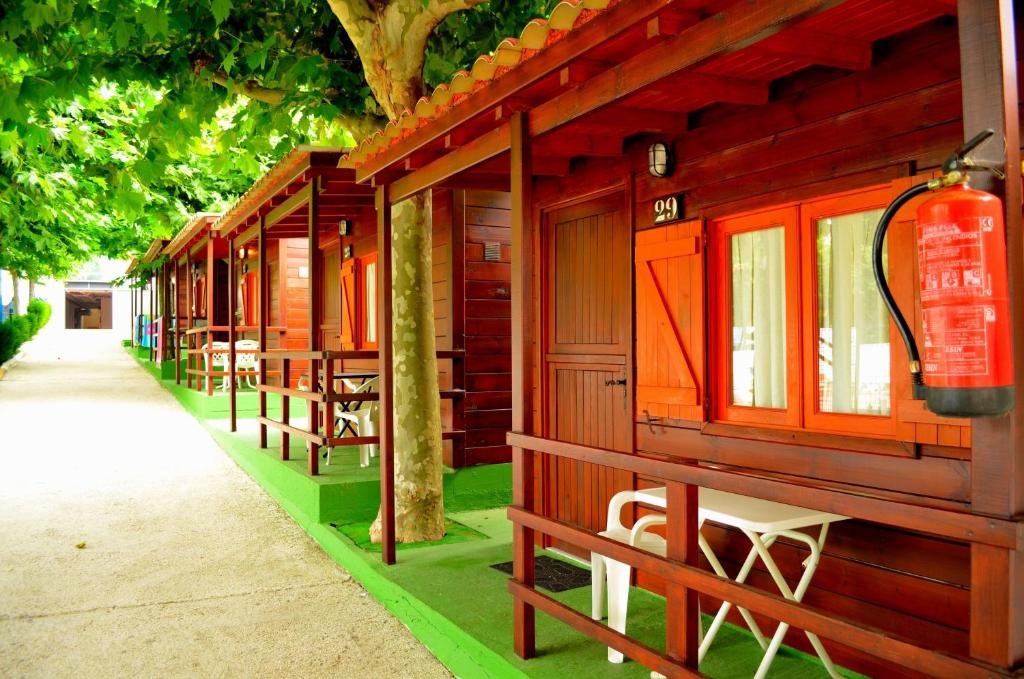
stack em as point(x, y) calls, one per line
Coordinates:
point(618, 602)
point(597, 583)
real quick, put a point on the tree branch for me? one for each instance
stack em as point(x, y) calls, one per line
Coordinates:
point(250, 88)
point(358, 126)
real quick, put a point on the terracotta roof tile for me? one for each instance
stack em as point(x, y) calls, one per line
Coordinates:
point(510, 52)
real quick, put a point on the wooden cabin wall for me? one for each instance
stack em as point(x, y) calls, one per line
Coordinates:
point(486, 220)
point(824, 131)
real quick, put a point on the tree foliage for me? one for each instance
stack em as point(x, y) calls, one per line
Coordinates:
point(118, 118)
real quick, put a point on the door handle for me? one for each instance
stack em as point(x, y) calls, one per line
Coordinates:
point(613, 383)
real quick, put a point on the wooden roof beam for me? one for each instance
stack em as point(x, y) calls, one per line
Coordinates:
point(576, 145)
point(481, 149)
point(722, 89)
point(671, 22)
point(581, 70)
point(638, 120)
point(823, 49)
point(739, 26)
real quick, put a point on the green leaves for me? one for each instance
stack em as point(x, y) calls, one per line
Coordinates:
point(220, 9)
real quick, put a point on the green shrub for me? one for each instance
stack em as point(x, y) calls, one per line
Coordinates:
point(17, 330)
point(39, 312)
point(7, 346)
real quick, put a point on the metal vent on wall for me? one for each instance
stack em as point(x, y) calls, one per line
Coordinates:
point(492, 252)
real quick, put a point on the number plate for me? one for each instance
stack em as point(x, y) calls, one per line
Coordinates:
point(668, 209)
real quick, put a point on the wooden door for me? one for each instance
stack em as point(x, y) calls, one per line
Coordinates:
point(330, 326)
point(588, 363)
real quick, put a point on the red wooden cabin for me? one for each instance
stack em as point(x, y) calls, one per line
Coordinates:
point(196, 258)
point(635, 299)
point(319, 229)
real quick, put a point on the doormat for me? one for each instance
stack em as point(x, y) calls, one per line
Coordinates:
point(552, 574)
point(454, 532)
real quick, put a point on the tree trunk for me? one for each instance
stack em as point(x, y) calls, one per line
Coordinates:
point(419, 496)
point(31, 289)
point(16, 298)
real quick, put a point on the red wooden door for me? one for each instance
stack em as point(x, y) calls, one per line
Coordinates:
point(587, 353)
point(330, 326)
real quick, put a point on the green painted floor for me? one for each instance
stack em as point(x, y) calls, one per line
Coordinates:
point(447, 593)
point(456, 580)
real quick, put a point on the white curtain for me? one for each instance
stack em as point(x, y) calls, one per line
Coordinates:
point(853, 326)
point(759, 318)
point(371, 302)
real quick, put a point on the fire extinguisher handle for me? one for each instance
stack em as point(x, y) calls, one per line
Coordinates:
point(883, 285)
point(974, 142)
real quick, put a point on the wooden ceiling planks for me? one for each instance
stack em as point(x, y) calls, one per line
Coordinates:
point(644, 77)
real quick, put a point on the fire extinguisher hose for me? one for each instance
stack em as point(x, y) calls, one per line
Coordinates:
point(883, 285)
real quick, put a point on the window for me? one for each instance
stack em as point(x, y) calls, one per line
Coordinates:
point(802, 334)
point(368, 301)
point(758, 321)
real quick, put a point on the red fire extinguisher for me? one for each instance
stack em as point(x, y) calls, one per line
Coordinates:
point(965, 307)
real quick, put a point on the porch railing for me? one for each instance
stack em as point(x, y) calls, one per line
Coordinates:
point(685, 580)
point(193, 350)
point(321, 400)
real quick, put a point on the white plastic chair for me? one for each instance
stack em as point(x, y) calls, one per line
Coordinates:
point(365, 417)
point(615, 572)
point(218, 358)
point(247, 361)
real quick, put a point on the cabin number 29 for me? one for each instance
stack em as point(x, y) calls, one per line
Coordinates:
point(667, 209)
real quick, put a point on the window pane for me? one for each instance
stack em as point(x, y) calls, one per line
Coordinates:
point(371, 302)
point(853, 326)
point(759, 318)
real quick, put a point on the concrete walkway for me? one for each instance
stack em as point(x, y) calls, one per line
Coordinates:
point(130, 544)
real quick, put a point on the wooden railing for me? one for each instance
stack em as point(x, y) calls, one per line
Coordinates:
point(194, 349)
point(321, 398)
point(684, 580)
point(320, 401)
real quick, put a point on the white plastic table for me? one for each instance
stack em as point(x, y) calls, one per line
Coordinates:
point(762, 521)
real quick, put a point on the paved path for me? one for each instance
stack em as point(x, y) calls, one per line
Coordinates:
point(188, 568)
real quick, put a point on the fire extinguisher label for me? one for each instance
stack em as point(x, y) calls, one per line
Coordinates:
point(964, 340)
point(964, 304)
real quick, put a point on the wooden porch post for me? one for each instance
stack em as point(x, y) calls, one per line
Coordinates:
point(261, 277)
point(210, 300)
point(177, 321)
point(681, 602)
point(988, 63)
point(457, 294)
point(190, 304)
point(232, 303)
point(152, 315)
point(315, 315)
point(131, 337)
point(385, 358)
point(524, 615)
point(165, 311)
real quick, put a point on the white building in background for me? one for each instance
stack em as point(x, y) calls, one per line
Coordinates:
point(90, 300)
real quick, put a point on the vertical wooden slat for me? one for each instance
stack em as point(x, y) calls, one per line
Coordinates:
point(211, 284)
point(315, 316)
point(386, 366)
point(457, 317)
point(524, 615)
point(988, 63)
point(232, 303)
point(152, 315)
point(264, 296)
point(177, 322)
point(190, 303)
point(680, 602)
point(286, 366)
